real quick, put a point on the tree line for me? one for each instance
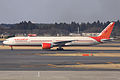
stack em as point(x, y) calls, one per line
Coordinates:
point(52, 29)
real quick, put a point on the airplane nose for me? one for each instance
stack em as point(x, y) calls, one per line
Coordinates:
point(4, 42)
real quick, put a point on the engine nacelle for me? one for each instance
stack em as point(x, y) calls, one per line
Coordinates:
point(46, 45)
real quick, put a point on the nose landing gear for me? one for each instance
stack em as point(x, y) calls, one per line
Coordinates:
point(11, 47)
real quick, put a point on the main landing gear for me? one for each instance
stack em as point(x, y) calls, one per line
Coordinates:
point(60, 48)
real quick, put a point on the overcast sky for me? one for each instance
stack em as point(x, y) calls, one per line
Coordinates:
point(50, 11)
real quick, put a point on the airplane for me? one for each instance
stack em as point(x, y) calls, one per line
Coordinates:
point(50, 42)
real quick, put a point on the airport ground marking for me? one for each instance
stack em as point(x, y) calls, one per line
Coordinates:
point(92, 66)
point(109, 62)
point(81, 54)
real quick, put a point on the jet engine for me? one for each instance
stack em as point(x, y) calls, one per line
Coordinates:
point(46, 45)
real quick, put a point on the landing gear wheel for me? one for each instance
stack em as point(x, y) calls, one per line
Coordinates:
point(60, 49)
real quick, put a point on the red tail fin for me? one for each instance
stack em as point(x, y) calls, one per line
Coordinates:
point(105, 34)
point(107, 31)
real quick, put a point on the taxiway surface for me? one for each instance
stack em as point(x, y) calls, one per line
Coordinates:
point(26, 60)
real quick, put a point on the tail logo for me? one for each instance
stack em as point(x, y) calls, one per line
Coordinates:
point(106, 31)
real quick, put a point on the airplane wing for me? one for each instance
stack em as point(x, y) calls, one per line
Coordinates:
point(63, 42)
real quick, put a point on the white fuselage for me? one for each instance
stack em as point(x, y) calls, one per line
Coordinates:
point(37, 41)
